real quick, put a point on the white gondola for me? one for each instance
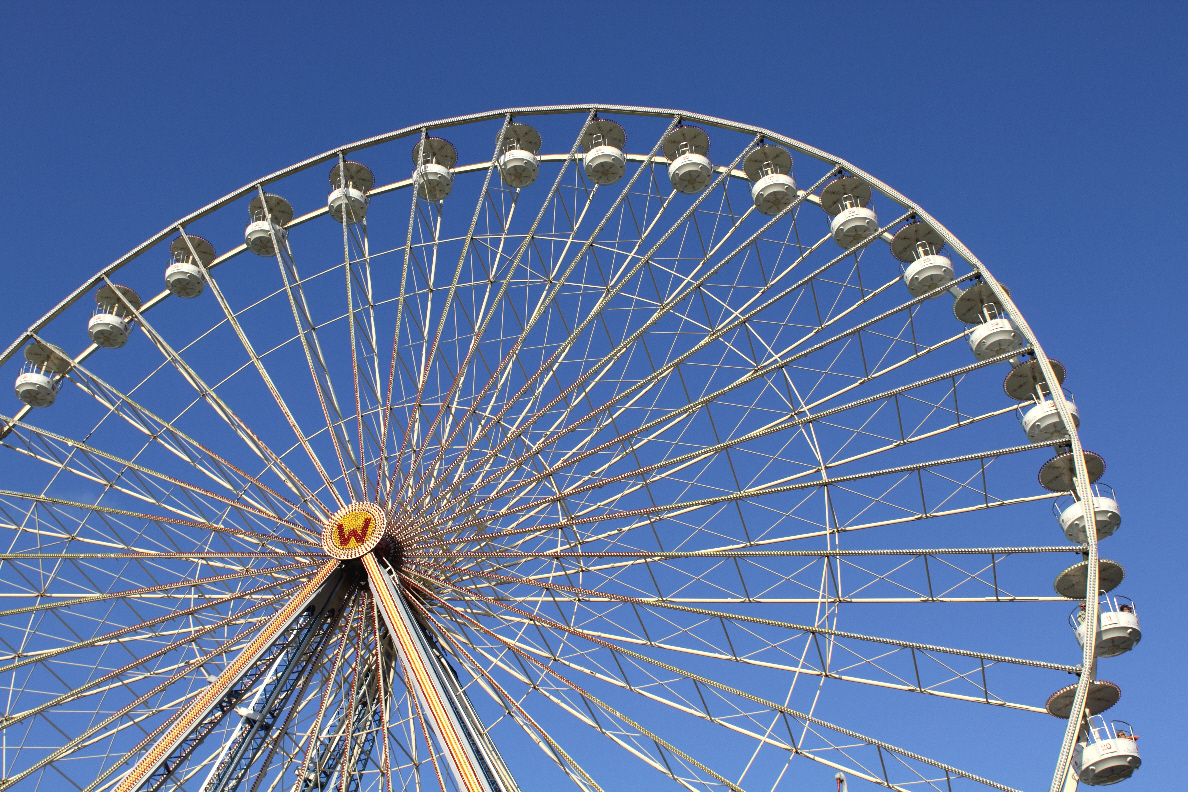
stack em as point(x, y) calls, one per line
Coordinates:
point(992, 333)
point(846, 198)
point(995, 335)
point(432, 160)
point(769, 167)
point(689, 167)
point(40, 378)
point(36, 386)
point(184, 276)
point(349, 184)
point(603, 141)
point(1107, 516)
point(918, 245)
point(114, 316)
point(1026, 383)
point(1040, 420)
point(1117, 626)
point(518, 163)
point(1106, 753)
point(267, 225)
point(1037, 414)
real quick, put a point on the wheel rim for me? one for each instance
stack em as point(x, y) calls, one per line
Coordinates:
point(664, 388)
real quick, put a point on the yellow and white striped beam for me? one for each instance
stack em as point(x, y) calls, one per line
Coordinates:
point(189, 718)
point(426, 683)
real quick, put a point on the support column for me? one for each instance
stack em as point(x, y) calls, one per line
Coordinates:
point(193, 714)
point(266, 708)
point(475, 765)
point(1070, 781)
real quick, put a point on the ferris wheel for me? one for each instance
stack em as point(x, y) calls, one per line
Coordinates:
point(530, 456)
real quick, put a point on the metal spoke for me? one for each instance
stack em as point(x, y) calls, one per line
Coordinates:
point(307, 496)
point(772, 488)
point(601, 638)
point(481, 329)
point(220, 407)
point(429, 348)
point(262, 539)
point(307, 333)
point(623, 281)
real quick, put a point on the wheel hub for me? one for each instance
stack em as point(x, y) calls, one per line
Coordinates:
point(354, 531)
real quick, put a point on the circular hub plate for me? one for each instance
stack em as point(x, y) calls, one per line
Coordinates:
point(110, 297)
point(968, 307)
point(696, 137)
point(180, 250)
point(906, 239)
point(354, 531)
point(280, 209)
point(778, 156)
point(832, 193)
point(437, 150)
point(357, 174)
point(52, 357)
point(526, 138)
point(1102, 695)
point(1059, 475)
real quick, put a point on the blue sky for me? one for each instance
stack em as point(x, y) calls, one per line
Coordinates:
point(1049, 139)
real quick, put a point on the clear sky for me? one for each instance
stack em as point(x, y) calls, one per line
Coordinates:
point(1049, 138)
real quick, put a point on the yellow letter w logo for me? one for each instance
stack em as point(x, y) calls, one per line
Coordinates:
point(356, 535)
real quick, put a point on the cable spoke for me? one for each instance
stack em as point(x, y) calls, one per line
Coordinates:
point(217, 404)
